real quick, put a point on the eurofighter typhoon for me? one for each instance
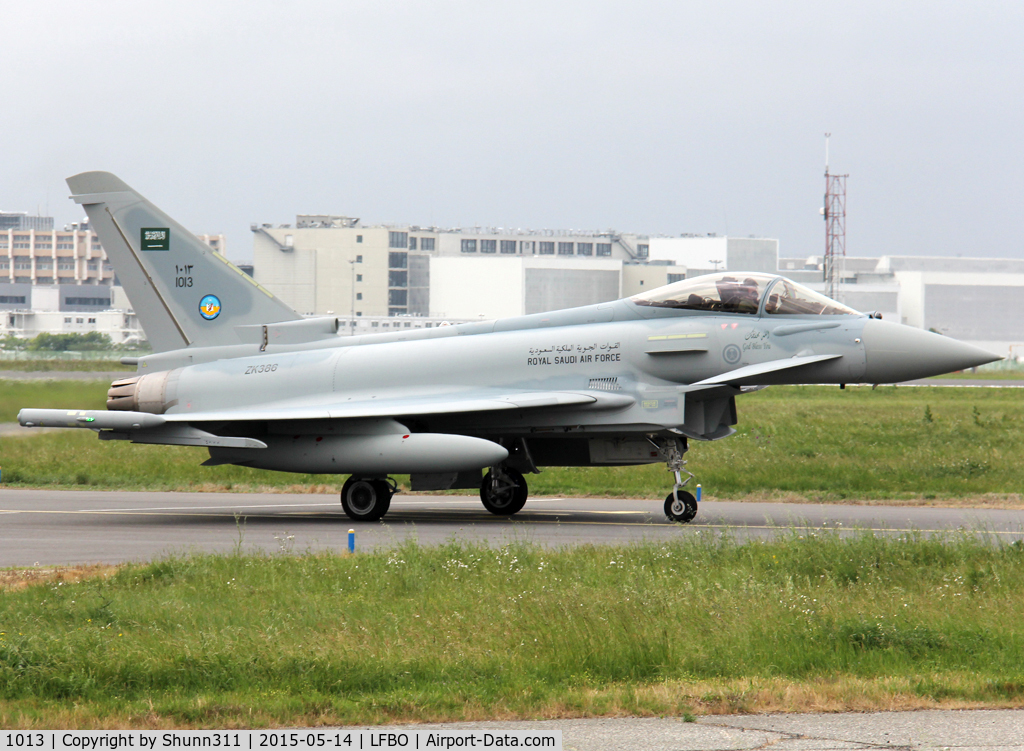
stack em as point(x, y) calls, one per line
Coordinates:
point(620, 383)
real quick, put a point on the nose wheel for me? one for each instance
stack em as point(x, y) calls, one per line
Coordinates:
point(366, 500)
point(680, 506)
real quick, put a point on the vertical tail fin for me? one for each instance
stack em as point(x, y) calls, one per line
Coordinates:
point(183, 292)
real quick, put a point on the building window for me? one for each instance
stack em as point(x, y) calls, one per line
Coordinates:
point(65, 266)
point(398, 260)
point(359, 295)
point(508, 246)
point(426, 243)
point(604, 249)
point(673, 278)
point(41, 264)
point(643, 250)
point(359, 238)
point(398, 297)
point(408, 325)
point(16, 300)
point(412, 243)
point(79, 320)
point(584, 249)
point(398, 278)
point(374, 324)
point(44, 280)
point(358, 313)
point(86, 301)
point(398, 239)
point(469, 246)
point(547, 249)
point(359, 259)
point(488, 246)
point(92, 320)
point(67, 320)
point(359, 277)
point(566, 249)
point(65, 246)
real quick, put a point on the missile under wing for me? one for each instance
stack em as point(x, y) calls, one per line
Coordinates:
point(620, 383)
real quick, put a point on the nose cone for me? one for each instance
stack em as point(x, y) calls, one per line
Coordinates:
point(897, 353)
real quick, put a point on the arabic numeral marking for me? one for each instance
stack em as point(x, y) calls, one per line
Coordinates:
point(24, 740)
point(338, 740)
point(279, 739)
point(183, 281)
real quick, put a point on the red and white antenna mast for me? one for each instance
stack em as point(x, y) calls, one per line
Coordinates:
point(835, 227)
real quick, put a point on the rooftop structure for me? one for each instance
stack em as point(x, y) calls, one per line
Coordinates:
point(22, 220)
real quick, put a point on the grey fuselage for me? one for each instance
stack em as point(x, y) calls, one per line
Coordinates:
point(647, 357)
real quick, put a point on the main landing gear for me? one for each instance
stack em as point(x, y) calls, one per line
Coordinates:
point(503, 491)
point(366, 500)
point(680, 505)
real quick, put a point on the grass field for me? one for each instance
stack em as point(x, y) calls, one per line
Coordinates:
point(50, 394)
point(68, 366)
point(814, 443)
point(459, 632)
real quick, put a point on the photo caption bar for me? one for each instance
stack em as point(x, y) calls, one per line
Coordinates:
point(348, 739)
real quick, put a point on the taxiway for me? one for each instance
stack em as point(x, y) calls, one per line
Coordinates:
point(48, 527)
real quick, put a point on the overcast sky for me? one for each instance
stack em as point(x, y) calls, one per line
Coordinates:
point(649, 117)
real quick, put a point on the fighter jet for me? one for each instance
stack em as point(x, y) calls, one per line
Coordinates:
point(627, 382)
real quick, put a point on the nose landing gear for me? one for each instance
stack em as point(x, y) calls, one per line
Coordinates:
point(680, 505)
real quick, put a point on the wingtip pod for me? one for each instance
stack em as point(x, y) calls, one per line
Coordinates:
point(97, 182)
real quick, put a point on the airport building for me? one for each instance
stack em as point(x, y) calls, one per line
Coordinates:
point(61, 281)
point(334, 264)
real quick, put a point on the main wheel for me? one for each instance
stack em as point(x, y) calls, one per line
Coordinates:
point(508, 497)
point(365, 500)
point(680, 507)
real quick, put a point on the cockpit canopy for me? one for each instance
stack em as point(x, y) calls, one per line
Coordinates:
point(742, 293)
